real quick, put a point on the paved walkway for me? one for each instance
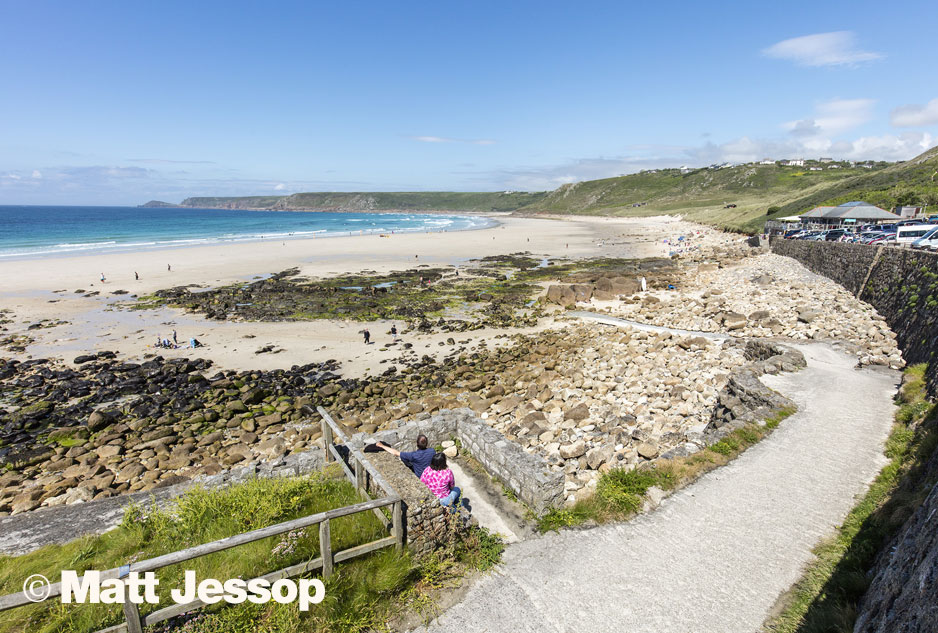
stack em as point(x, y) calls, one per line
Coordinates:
point(484, 512)
point(716, 555)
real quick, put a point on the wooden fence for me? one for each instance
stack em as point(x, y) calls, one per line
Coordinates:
point(360, 472)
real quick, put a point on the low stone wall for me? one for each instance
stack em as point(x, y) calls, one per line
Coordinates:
point(901, 283)
point(528, 476)
point(429, 524)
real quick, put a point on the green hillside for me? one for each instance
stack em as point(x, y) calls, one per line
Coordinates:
point(759, 192)
point(912, 183)
point(375, 201)
point(700, 195)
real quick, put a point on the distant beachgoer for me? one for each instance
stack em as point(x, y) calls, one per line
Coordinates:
point(644, 285)
point(393, 332)
point(174, 337)
point(169, 268)
point(102, 278)
point(367, 335)
point(416, 256)
point(439, 479)
point(194, 342)
point(568, 245)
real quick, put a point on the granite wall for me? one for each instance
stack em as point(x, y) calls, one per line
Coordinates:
point(901, 283)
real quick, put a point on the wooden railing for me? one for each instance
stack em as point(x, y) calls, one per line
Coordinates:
point(361, 473)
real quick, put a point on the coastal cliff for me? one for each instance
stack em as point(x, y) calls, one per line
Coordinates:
point(377, 201)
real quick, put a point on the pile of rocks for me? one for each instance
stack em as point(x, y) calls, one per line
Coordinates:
point(767, 296)
point(590, 398)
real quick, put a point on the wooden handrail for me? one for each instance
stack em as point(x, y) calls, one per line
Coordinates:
point(134, 622)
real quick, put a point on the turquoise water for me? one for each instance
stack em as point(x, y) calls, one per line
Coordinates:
point(27, 232)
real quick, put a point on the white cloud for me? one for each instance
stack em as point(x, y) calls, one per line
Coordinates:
point(833, 117)
point(915, 115)
point(37, 175)
point(443, 139)
point(821, 49)
point(280, 187)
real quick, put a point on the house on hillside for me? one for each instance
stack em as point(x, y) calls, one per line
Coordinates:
point(817, 169)
point(825, 160)
point(766, 161)
point(848, 214)
point(798, 162)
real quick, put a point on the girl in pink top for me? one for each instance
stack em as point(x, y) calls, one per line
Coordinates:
point(439, 479)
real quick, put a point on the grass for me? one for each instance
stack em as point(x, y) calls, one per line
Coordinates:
point(359, 596)
point(620, 493)
point(825, 599)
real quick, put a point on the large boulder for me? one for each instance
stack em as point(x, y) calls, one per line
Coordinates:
point(561, 295)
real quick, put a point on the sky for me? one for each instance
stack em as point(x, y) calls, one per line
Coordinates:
point(115, 103)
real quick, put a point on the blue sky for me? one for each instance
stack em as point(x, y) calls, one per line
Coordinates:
point(122, 102)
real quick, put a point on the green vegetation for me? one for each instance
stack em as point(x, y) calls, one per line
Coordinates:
point(700, 195)
point(826, 597)
point(620, 493)
point(361, 594)
point(913, 182)
point(376, 201)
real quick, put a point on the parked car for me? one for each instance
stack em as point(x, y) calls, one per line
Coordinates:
point(929, 241)
point(834, 235)
point(908, 233)
point(886, 239)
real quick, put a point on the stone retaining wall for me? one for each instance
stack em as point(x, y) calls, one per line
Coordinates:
point(527, 476)
point(429, 524)
point(901, 283)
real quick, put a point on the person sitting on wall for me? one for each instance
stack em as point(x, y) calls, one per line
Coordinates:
point(417, 460)
point(439, 479)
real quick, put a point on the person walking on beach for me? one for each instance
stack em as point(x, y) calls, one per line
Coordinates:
point(102, 278)
point(169, 268)
point(174, 337)
point(367, 335)
point(393, 332)
point(136, 276)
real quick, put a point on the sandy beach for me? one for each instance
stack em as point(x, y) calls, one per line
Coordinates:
point(45, 289)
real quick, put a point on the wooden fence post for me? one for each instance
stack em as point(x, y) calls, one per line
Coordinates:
point(360, 477)
point(327, 440)
point(325, 548)
point(397, 525)
point(132, 615)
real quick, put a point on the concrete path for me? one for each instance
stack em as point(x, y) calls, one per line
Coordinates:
point(484, 512)
point(715, 556)
point(645, 327)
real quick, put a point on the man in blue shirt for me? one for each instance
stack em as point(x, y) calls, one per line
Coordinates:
point(417, 460)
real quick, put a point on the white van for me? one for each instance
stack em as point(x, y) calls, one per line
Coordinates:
point(911, 232)
point(929, 241)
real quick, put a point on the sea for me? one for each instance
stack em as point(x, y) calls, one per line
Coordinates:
point(49, 231)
